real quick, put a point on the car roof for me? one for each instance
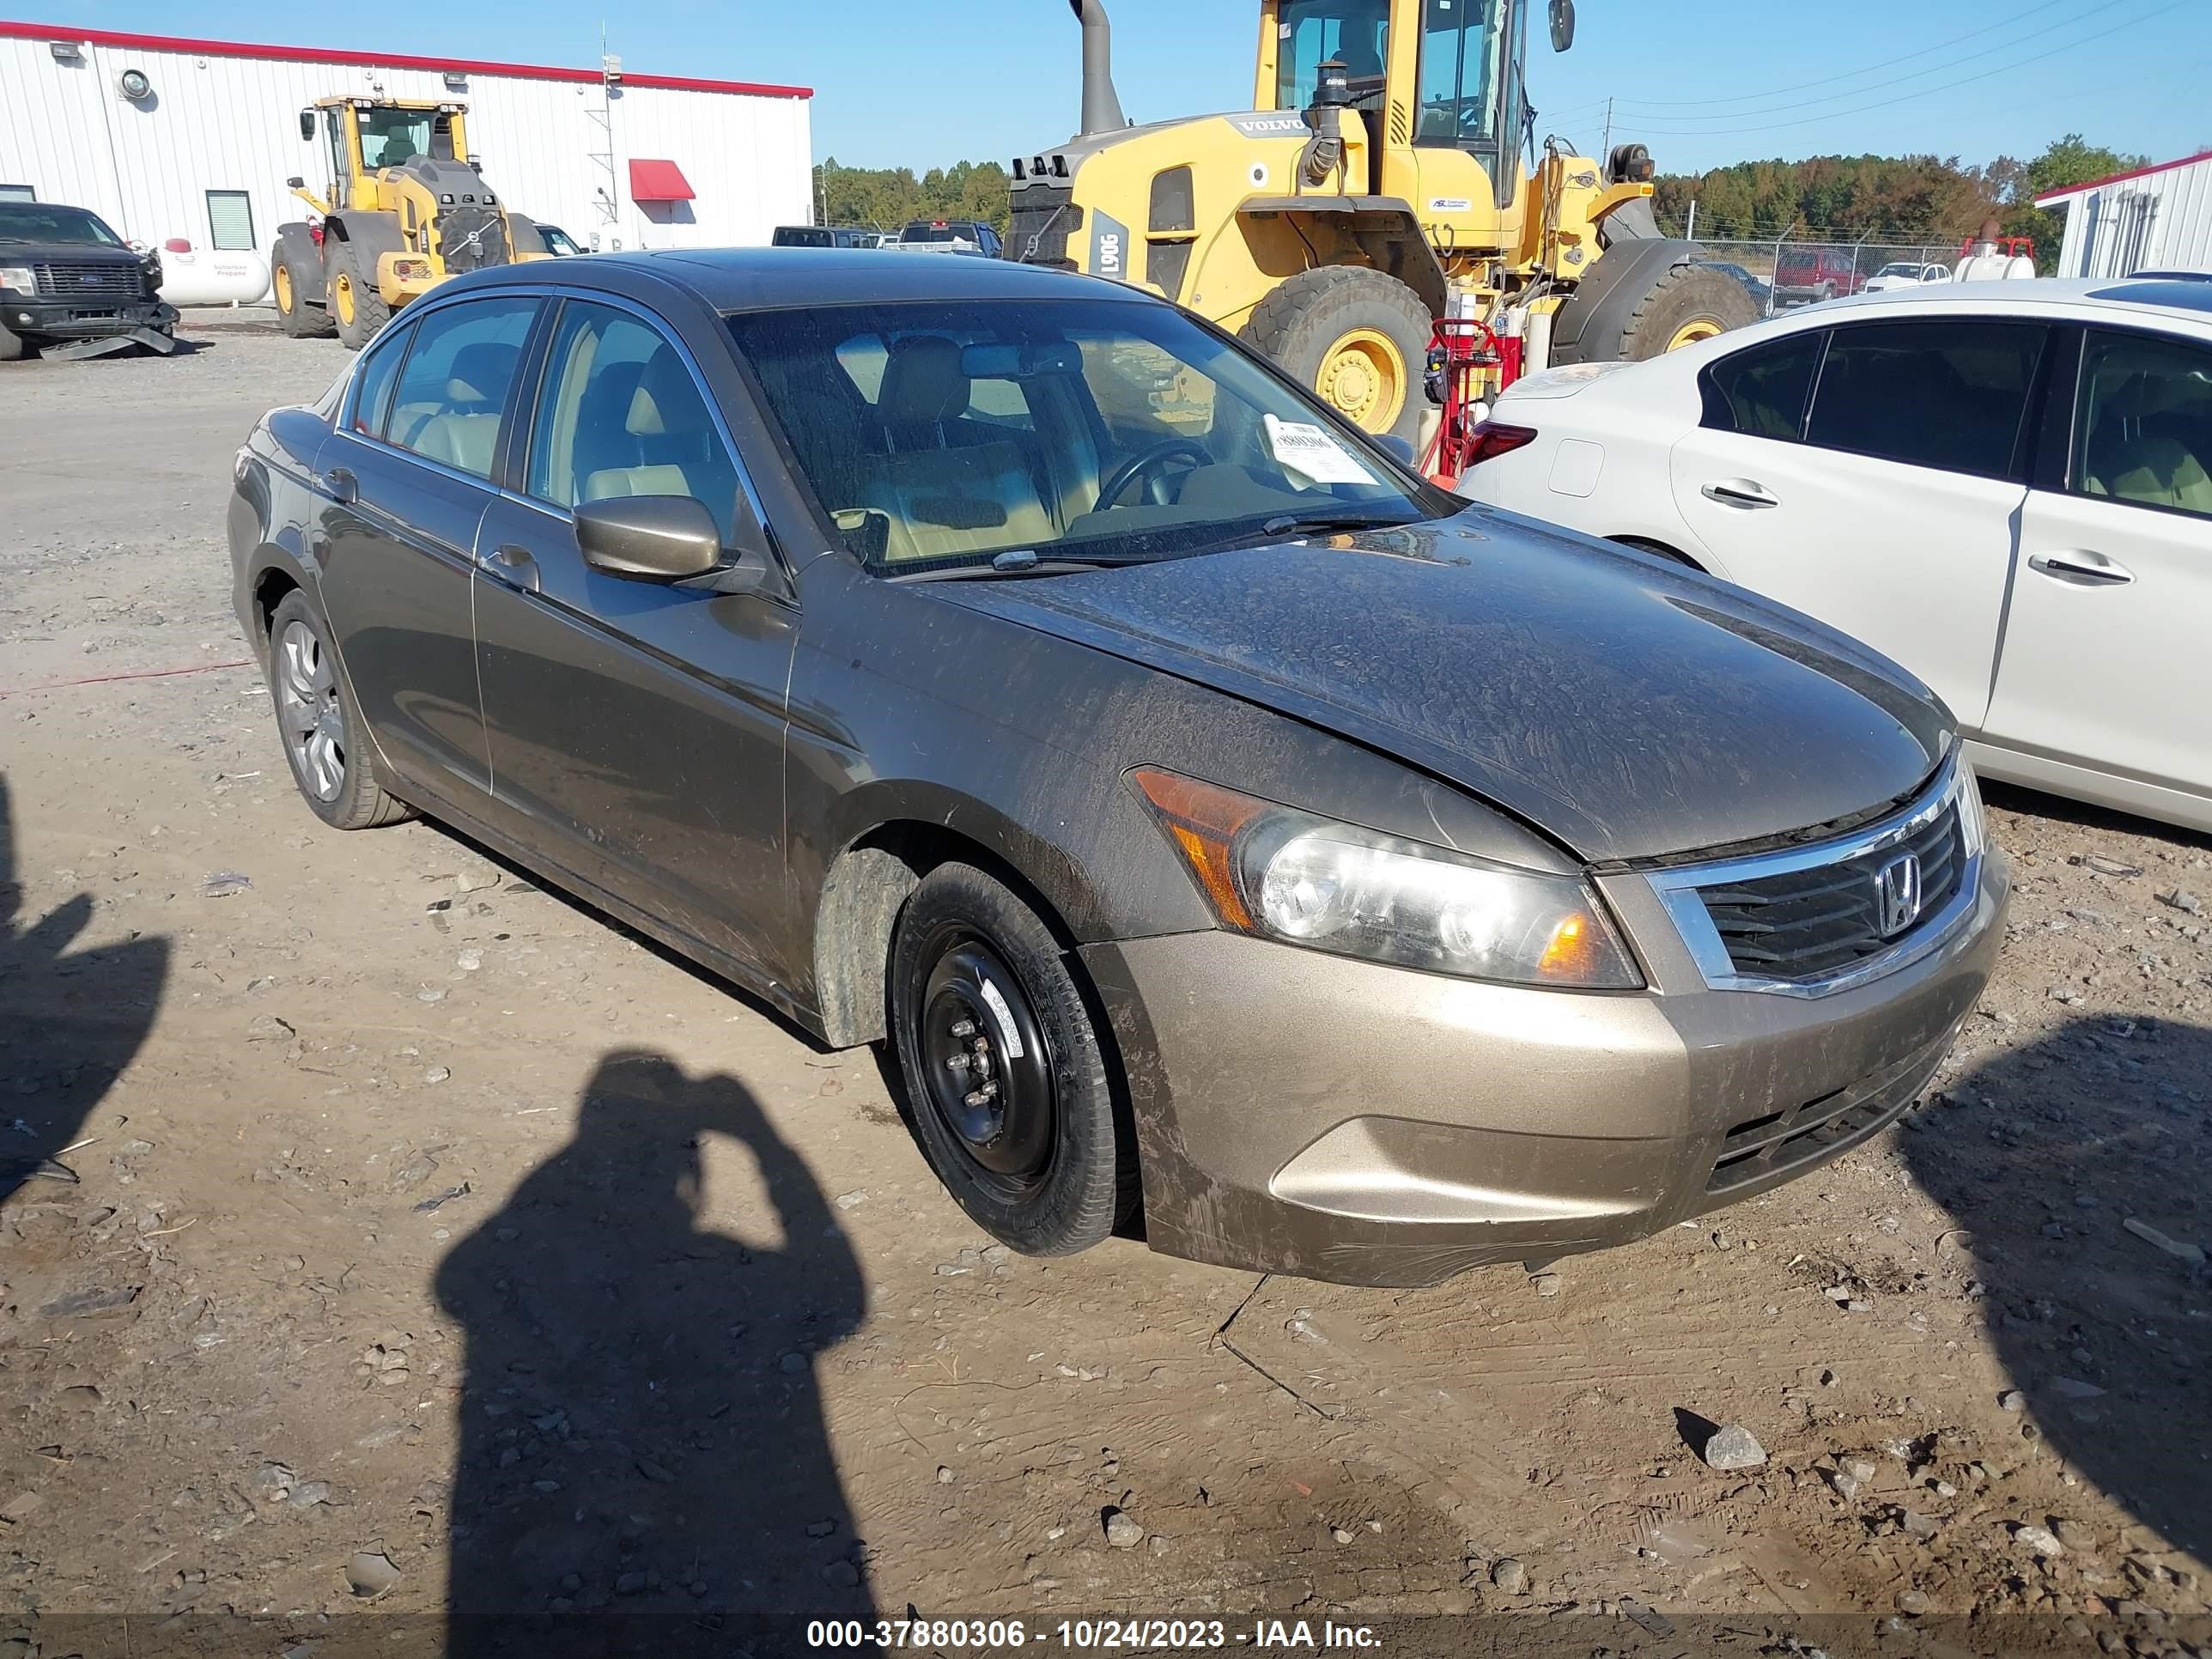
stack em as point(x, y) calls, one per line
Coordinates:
point(770, 279)
point(2074, 296)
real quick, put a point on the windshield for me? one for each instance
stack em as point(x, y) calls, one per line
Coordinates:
point(936, 436)
point(1310, 33)
point(37, 222)
point(390, 136)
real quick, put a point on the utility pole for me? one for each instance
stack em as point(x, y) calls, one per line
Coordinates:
point(1606, 149)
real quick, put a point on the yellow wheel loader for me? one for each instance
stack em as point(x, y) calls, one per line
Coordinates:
point(1371, 223)
point(406, 207)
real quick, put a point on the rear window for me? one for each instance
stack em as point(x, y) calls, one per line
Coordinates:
point(1935, 393)
point(1761, 393)
point(938, 234)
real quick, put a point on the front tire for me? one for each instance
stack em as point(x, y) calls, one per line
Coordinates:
point(325, 743)
point(355, 301)
point(1006, 1080)
point(1358, 339)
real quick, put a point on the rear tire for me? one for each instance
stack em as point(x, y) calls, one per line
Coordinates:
point(1357, 340)
point(355, 302)
point(982, 1000)
point(297, 317)
point(1687, 304)
point(327, 744)
point(14, 348)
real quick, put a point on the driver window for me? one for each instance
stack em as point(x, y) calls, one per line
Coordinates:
point(1460, 41)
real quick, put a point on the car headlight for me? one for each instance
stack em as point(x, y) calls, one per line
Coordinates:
point(1278, 873)
point(1973, 831)
point(18, 279)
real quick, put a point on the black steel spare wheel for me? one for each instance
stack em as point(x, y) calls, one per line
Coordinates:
point(1005, 1077)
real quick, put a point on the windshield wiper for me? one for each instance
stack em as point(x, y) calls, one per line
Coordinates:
point(1291, 524)
point(1017, 562)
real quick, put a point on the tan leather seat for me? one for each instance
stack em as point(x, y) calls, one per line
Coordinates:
point(460, 428)
point(943, 492)
point(2133, 454)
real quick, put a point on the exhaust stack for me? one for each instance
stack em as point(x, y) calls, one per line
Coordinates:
point(1102, 108)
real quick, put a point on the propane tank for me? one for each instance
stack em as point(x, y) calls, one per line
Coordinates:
point(201, 276)
point(1536, 345)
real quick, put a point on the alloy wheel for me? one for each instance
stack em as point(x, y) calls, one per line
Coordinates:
point(307, 711)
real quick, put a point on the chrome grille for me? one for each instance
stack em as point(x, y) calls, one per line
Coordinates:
point(90, 279)
point(1803, 924)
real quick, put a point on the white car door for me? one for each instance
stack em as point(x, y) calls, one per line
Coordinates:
point(2105, 664)
point(1870, 474)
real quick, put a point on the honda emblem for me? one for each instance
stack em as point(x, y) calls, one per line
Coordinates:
point(1897, 896)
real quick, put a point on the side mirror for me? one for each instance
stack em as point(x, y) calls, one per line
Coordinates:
point(1563, 24)
point(295, 182)
point(1401, 448)
point(307, 126)
point(662, 538)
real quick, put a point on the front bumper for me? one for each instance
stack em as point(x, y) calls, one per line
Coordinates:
point(1340, 1120)
point(65, 319)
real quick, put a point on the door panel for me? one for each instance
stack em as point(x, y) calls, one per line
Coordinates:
point(2109, 669)
point(1872, 482)
point(397, 561)
point(2104, 664)
point(1910, 560)
point(636, 731)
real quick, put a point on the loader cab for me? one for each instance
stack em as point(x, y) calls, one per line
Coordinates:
point(1459, 60)
point(361, 137)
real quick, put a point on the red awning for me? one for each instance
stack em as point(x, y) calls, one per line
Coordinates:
point(658, 181)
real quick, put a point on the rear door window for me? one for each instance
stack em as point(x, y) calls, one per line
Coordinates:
point(379, 368)
point(1761, 393)
point(454, 388)
point(1942, 392)
point(2144, 428)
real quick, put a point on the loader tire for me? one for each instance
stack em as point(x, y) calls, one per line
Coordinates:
point(1357, 340)
point(1687, 304)
point(298, 318)
point(355, 301)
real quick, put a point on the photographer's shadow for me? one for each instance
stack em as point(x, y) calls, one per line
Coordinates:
point(643, 1463)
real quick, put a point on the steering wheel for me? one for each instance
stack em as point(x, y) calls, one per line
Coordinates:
point(1143, 460)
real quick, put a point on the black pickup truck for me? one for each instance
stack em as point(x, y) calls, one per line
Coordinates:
point(70, 286)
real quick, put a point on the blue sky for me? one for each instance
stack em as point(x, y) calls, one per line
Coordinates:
point(928, 82)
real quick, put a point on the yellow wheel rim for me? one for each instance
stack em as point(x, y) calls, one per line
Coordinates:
point(1362, 378)
point(283, 290)
point(342, 296)
point(1701, 328)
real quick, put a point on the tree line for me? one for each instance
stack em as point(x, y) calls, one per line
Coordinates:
point(884, 198)
point(1885, 198)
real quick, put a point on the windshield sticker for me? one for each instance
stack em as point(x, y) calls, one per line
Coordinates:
point(1311, 452)
point(1009, 1033)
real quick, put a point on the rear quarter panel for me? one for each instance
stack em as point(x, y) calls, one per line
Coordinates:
point(1600, 460)
point(271, 517)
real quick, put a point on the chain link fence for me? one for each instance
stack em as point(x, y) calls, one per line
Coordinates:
point(1782, 273)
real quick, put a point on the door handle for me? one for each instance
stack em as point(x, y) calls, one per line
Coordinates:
point(2082, 568)
point(1739, 492)
point(341, 483)
point(515, 566)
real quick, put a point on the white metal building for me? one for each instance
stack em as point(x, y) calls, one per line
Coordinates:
point(200, 147)
point(2155, 218)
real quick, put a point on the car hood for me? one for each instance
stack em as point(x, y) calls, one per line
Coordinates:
point(75, 253)
point(1626, 707)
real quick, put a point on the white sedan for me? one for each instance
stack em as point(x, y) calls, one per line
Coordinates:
point(2007, 487)
point(1905, 273)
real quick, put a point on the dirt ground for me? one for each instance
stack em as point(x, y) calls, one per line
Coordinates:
point(380, 1231)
